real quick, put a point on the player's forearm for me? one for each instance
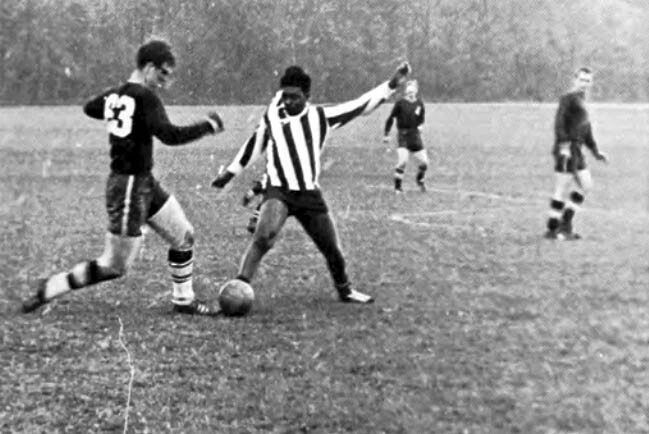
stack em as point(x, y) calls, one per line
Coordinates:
point(174, 135)
point(388, 126)
point(341, 114)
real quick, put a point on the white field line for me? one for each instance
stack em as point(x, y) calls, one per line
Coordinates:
point(515, 203)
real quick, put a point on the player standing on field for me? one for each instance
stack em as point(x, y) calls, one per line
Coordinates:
point(410, 113)
point(134, 114)
point(573, 131)
point(292, 132)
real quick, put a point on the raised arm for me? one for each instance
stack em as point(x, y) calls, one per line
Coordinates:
point(171, 134)
point(340, 114)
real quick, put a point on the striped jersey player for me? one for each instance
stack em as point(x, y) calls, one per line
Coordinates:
point(292, 133)
point(134, 114)
point(573, 132)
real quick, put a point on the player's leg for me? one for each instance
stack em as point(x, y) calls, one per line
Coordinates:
point(170, 222)
point(254, 218)
point(422, 158)
point(124, 203)
point(583, 183)
point(272, 217)
point(119, 254)
point(563, 178)
point(320, 227)
point(400, 168)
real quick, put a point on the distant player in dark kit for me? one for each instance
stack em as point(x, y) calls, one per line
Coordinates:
point(292, 132)
point(573, 131)
point(410, 114)
point(134, 114)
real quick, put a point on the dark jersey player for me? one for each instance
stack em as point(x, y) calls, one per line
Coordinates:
point(134, 114)
point(409, 113)
point(573, 132)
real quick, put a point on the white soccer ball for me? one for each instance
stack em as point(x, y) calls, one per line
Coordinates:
point(236, 297)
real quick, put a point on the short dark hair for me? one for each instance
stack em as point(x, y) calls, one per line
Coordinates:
point(583, 69)
point(157, 52)
point(295, 76)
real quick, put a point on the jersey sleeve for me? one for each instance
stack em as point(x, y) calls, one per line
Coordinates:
point(252, 148)
point(95, 107)
point(163, 129)
point(422, 114)
point(589, 140)
point(340, 114)
point(561, 120)
point(390, 120)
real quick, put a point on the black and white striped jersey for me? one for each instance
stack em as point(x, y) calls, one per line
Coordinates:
point(293, 144)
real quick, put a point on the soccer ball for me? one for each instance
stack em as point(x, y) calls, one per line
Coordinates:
point(236, 297)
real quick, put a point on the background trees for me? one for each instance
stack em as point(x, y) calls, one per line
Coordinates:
point(231, 51)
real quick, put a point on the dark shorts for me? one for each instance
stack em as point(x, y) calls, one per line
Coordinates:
point(571, 163)
point(410, 139)
point(131, 200)
point(298, 202)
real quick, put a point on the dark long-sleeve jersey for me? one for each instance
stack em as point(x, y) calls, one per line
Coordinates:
point(293, 144)
point(134, 114)
point(571, 123)
point(409, 115)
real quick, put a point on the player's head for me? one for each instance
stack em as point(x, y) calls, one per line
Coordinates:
point(156, 62)
point(583, 79)
point(412, 87)
point(296, 88)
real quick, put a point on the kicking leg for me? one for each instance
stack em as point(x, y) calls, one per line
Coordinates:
point(271, 220)
point(119, 254)
point(320, 228)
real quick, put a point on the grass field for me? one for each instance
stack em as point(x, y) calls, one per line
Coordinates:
point(480, 325)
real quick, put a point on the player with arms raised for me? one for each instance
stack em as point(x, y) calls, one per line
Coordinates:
point(292, 133)
point(134, 114)
point(573, 131)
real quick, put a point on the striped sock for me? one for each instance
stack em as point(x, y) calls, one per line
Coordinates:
point(181, 266)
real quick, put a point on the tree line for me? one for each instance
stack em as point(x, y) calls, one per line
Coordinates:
point(233, 51)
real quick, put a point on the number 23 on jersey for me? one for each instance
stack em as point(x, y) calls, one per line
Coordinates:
point(118, 112)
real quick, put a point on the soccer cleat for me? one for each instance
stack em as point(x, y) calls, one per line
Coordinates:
point(37, 300)
point(422, 186)
point(353, 296)
point(551, 235)
point(196, 307)
point(569, 236)
point(398, 190)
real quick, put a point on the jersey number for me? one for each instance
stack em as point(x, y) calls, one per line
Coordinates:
point(118, 112)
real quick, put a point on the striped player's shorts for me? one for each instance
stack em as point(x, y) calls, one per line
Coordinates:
point(131, 200)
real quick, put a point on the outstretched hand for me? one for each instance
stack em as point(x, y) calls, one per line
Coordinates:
point(400, 75)
point(216, 122)
point(600, 156)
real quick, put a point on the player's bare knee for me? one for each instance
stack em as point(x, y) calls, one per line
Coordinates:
point(186, 241)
